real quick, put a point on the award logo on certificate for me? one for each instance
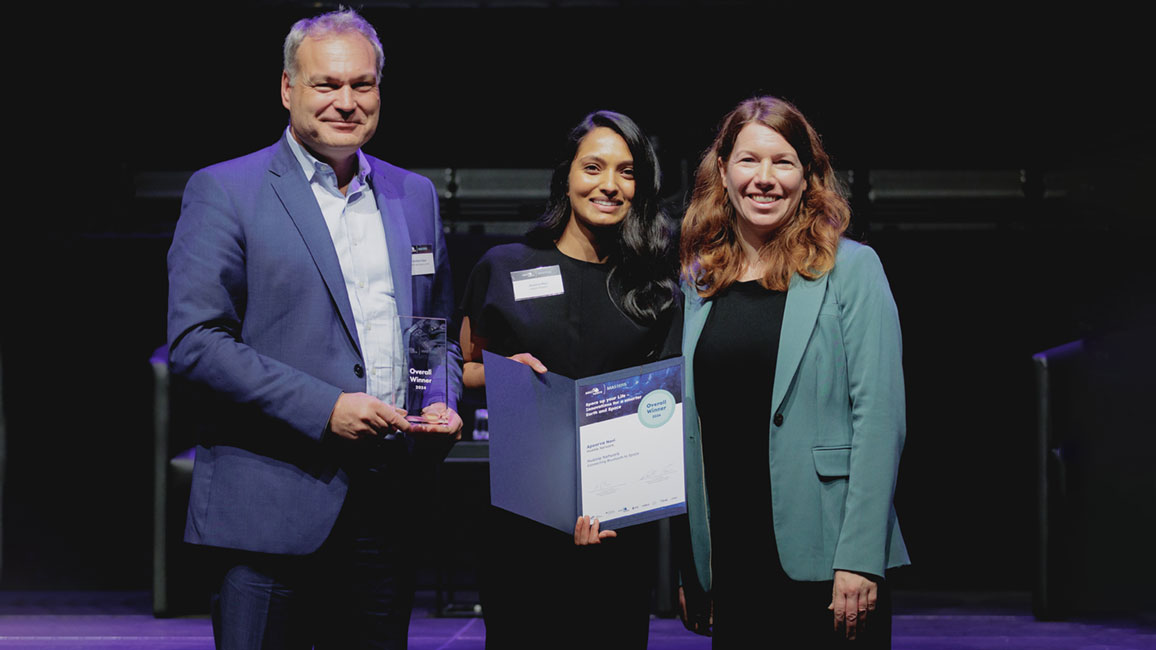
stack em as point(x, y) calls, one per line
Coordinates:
point(425, 376)
point(608, 446)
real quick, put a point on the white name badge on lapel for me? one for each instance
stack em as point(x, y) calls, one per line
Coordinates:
point(537, 283)
point(423, 260)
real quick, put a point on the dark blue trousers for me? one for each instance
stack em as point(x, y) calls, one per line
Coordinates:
point(356, 591)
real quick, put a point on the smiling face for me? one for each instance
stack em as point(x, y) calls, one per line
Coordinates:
point(765, 181)
point(333, 104)
point(601, 180)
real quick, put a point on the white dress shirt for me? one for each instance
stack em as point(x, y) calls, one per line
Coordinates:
point(355, 224)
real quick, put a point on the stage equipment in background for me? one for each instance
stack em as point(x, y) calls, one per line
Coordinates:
point(1095, 456)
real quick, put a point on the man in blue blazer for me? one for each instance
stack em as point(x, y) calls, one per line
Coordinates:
point(288, 272)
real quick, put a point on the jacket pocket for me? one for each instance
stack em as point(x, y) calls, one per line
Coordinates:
point(832, 462)
point(831, 309)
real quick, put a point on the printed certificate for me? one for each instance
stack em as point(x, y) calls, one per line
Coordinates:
point(630, 445)
point(608, 446)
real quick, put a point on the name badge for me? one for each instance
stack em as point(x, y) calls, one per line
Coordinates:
point(537, 283)
point(423, 260)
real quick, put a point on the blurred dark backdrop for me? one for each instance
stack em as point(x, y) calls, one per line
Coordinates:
point(1000, 164)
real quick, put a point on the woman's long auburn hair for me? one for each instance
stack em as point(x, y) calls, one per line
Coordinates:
point(710, 253)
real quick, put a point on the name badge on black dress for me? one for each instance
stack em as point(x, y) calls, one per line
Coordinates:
point(537, 283)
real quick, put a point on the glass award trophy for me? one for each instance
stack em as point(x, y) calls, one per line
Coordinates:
point(425, 377)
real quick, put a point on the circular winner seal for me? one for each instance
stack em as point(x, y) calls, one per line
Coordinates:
point(656, 408)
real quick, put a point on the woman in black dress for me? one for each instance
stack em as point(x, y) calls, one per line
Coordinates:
point(604, 231)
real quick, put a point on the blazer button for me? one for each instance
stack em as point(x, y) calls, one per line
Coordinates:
point(358, 370)
point(778, 417)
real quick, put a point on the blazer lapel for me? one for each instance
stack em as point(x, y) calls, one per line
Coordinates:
point(397, 242)
point(292, 188)
point(695, 315)
point(804, 298)
point(694, 318)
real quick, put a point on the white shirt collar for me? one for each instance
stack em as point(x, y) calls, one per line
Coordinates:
point(318, 171)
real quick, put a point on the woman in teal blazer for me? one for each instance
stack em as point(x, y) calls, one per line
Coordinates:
point(770, 281)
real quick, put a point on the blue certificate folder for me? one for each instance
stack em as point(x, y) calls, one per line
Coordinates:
point(632, 457)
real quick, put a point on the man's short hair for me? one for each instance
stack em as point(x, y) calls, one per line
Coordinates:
point(341, 21)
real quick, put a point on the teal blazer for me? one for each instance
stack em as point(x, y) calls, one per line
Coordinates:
point(838, 425)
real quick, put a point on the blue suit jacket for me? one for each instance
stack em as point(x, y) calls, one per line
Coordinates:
point(838, 426)
point(259, 314)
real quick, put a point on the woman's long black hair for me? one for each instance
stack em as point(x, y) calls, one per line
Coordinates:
point(643, 258)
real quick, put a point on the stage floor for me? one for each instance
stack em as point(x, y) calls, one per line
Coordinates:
point(59, 620)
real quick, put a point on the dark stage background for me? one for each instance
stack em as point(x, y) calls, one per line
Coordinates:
point(1000, 165)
